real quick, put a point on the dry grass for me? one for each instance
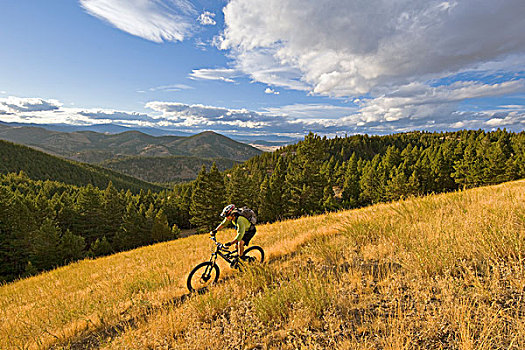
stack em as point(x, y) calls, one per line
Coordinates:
point(441, 272)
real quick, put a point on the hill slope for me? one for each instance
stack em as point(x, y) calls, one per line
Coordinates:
point(41, 166)
point(165, 169)
point(443, 271)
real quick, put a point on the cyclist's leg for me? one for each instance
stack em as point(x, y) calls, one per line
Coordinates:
point(240, 247)
point(248, 235)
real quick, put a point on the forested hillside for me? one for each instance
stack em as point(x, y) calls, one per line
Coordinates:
point(173, 170)
point(41, 166)
point(320, 174)
point(44, 224)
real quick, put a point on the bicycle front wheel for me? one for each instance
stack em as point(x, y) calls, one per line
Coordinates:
point(254, 254)
point(202, 276)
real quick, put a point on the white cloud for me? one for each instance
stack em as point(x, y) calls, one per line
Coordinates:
point(173, 87)
point(271, 91)
point(206, 18)
point(154, 20)
point(223, 74)
point(352, 48)
point(419, 101)
point(16, 104)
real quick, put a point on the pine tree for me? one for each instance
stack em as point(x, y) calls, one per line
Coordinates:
point(161, 231)
point(71, 247)
point(89, 209)
point(240, 188)
point(304, 179)
point(278, 191)
point(207, 200)
point(351, 188)
point(114, 207)
point(265, 208)
point(45, 252)
point(100, 247)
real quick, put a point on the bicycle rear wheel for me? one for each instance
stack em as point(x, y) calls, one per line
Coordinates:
point(254, 254)
point(202, 276)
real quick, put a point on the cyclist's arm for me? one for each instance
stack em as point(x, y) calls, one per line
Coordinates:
point(223, 224)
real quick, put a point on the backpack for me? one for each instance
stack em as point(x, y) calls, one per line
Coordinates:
point(248, 214)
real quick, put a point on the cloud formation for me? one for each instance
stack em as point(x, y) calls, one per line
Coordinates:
point(375, 45)
point(401, 111)
point(11, 105)
point(206, 18)
point(224, 74)
point(154, 20)
point(269, 90)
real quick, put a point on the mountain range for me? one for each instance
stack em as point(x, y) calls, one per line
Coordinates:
point(135, 153)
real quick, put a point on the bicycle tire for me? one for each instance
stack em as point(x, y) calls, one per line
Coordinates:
point(255, 252)
point(206, 267)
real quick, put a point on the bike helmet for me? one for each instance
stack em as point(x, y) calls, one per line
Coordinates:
point(227, 210)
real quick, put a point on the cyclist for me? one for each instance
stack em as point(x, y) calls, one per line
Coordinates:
point(245, 229)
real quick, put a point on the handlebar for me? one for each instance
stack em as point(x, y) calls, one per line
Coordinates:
point(218, 244)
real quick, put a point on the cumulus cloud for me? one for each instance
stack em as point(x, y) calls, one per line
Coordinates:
point(419, 101)
point(154, 20)
point(352, 48)
point(206, 18)
point(271, 91)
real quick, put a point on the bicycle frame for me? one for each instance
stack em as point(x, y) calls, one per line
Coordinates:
point(223, 252)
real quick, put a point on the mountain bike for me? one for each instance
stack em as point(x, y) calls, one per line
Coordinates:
point(207, 273)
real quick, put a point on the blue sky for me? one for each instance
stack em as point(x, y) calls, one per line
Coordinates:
point(264, 68)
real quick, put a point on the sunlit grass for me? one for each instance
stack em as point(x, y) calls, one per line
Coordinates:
point(440, 272)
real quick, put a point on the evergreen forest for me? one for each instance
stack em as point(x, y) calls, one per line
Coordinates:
point(45, 224)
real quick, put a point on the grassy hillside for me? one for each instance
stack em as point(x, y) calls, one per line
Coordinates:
point(165, 169)
point(440, 272)
point(41, 166)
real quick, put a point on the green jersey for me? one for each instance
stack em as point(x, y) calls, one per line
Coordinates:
point(242, 225)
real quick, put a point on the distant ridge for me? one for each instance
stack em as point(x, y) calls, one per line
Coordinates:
point(93, 147)
point(41, 166)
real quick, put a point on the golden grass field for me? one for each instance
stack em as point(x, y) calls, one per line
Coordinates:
point(438, 272)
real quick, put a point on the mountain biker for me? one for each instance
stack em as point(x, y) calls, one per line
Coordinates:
point(245, 229)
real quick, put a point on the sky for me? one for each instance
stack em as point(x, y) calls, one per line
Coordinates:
point(265, 69)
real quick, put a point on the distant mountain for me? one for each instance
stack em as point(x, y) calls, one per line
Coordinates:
point(41, 166)
point(92, 147)
point(101, 128)
point(172, 169)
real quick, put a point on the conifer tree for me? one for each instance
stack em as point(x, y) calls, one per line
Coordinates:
point(278, 191)
point(100, 247)
point(207, 200)
point(239, 188)
point(351, 187)
point(71, 247)
point(304, 179)
point(265, 208)
point(161, 231)
point(45, 252)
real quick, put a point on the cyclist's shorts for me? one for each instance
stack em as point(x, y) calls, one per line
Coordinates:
point(248, 235)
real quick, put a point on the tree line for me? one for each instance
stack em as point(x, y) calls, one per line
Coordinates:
point(44, 224)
